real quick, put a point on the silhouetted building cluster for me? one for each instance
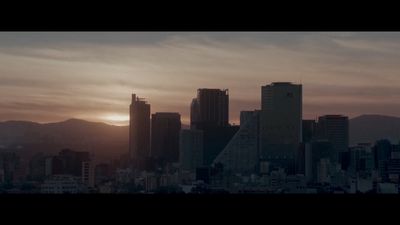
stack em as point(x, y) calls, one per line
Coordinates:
point(272, 151)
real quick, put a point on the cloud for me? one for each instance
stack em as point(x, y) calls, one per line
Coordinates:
point(89, 74)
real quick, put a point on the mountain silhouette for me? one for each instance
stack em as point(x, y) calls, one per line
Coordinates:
point(106, 140)
point(102, 139)
point(369, 128)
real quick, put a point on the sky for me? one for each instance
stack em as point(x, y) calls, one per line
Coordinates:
point(54, 76)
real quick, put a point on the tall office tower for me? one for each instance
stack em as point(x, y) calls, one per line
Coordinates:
point(194, 113)
point(191, 149)
point(215, 140)
point(139, 130)
point(281, 124)
point(165, 129)
point(334, 128)
point(210, 113)
point(309, 128)
point(382, 154)
point(241, 153)
point(210, 108)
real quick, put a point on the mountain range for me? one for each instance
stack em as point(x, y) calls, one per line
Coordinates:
point(99, 138)
point(369, 128)
point(106, 140)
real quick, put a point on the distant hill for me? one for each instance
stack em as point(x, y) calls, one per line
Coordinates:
point(106, 140)
point(369, 128)
point(99, 138)
point(102, 139)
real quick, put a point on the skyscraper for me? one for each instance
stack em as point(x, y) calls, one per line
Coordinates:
point(382, 153)
point(165, 129)
point(334, 128)
point(139, 129)
point(194, 113)
point(210, 113)
point(241, 153)
point(280, 123)
point(191, 149)
point(309, 128)
point(210, 108)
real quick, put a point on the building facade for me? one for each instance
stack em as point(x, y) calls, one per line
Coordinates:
point(210, 108)
point(139, 130)
point(165, 128)
point(241, 153)
point(334, 128)
point(191, 149)
point(281, 123)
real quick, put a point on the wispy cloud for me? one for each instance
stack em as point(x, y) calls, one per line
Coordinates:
point(87, 75)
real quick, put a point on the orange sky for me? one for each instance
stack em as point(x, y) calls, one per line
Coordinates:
point(48, 77)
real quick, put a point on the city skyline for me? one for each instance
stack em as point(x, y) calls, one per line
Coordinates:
point(49, 77)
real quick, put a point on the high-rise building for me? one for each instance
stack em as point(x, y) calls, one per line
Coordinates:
point(210, 108)
point(53, 166)
point(37, 167)
point(139, 130)
point(210, 113)
point(215, 140)
point(334, 128)
point(9, 165)
point(194, 113)
point(382, 154)
point(281, 124)
point(308, 130)
point(102, 173)
point(361, 160)
point(191, 149)
point(88, 176)
point(165, 129)
point(241, 153)
point(318, 156)
point(72, 161)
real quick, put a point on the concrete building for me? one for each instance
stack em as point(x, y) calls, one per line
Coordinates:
point(281, 123)
point(53, 166)
point(88, 175)
point(382, 151)
point(334, 128)
point(165, 128)
point(318, 155)
point(139, 130)
point(191, 149)
point(210, 113)
point(387, 188)
point(241, 154)
point(215, 140)
point(308, 130)
point(210, 108)
point(361, 160)
point(71, 161)
point(61, 184)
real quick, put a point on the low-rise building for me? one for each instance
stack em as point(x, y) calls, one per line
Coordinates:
point(61, 184)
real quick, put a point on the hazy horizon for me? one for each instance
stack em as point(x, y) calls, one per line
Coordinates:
point(54, 76)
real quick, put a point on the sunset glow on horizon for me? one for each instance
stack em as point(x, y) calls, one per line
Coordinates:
point(47, 77)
